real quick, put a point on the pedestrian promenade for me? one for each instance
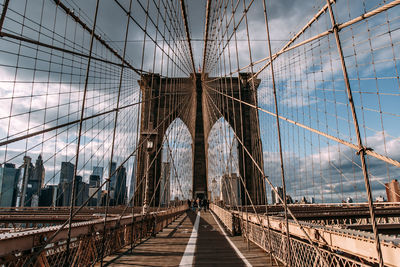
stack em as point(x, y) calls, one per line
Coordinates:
point(194, 239)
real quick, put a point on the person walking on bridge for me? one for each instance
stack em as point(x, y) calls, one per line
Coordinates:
point(198, 203)
point(204, 204)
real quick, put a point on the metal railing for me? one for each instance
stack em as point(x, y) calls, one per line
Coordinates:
point(302, 253)
point(17, 249)
point(337, 247)
point(227, 218)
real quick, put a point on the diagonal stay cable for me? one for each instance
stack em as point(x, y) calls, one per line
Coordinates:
point(16, 139)
point(136, 189)
point(348, 144)
point(61, 227)
point(280, 198)
point(243, 182)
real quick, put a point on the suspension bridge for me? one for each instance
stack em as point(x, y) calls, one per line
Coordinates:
point(199, 133)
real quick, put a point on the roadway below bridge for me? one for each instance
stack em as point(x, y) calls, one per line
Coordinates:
point(194, 239)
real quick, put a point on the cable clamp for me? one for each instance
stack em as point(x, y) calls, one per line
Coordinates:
point(363, 150)
point(335, 27)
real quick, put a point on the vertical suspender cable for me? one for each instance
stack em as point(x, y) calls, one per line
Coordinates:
point(361, 147)
point(184, 16)
point(288, 251)
point(113, 139)
point(72, 200)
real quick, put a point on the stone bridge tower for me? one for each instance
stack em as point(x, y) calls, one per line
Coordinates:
point(192, 100)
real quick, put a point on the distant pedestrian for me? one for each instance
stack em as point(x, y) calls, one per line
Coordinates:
point(198, 203)
point(189, 203)
point(193, 204)
point(204, 204)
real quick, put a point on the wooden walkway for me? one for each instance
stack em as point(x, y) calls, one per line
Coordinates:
point(211, 248)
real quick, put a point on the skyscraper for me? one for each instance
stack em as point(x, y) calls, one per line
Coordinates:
point(35, 183)
point(27, 173)
point(275, 199)
point(94, 183)
point(48, 196)
point(67, 172)
point(94, 180)
point(82, 191)
point(64, 191)
point(112, 169)
point(112, 183)
point(120, 187)
point(9, 176)
point(98, 171)
point(39, 172)
point(132, 185)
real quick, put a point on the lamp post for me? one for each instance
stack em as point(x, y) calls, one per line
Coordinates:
point(149, 148)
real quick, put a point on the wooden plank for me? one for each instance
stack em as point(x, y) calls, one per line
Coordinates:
point(166, 249)
point(212, 248)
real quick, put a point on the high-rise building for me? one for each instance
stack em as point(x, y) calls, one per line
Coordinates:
point(39, 172)
point(67, 172)
point(275, 199)
point(165, 195)
point(112, 169)
point(82, 191)
point(132, 185)
point(64, 193)
point(103, 198)
point(27, 173)
point(95, 180)
point(9, 176)
point(230, 189)
point(98, 171)
point(94, 183)
point(35, 183)
point(94, 201)
point(48, 196)
point(64, 190)
point(393, 191)
point(120, 187)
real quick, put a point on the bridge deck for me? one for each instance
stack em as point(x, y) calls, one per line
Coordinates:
point(171, 247)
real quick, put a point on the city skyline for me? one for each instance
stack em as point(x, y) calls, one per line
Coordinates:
point(23, 185)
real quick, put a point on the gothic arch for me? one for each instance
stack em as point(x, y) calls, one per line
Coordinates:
point(179, 167)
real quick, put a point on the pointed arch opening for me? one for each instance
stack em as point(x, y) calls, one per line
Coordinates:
point(223, 164)
point(177, 164)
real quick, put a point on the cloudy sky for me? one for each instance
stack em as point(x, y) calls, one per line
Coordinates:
point(42, 87)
